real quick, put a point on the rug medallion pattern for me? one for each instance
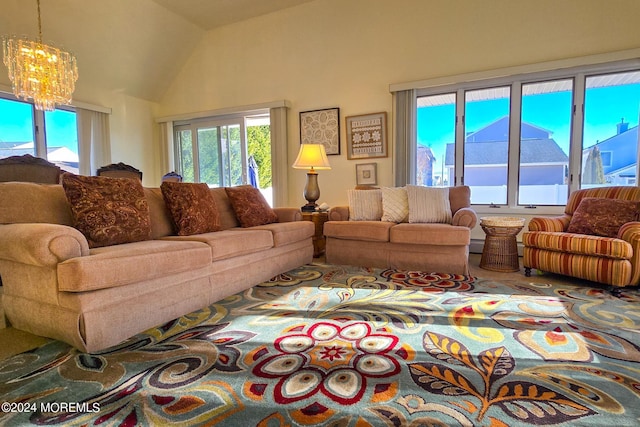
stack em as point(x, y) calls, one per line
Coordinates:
point(330, 345)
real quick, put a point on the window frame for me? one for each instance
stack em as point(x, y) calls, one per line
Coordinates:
point(515, 78)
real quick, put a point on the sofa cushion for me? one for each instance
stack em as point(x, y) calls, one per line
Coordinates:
point(47, 203)
point(373, 231)
point(231, 243)
point(579, 244)
point(285, 233)
point(395, 204)
point(430, 234)
point(192, 207)
point(365, 205)
point(250, 206)
point(120, 265)
point(108, 211)
point(428, 204)
point(603, 217)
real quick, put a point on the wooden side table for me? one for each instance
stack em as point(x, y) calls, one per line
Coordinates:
point(318, 219)
point(500, 251)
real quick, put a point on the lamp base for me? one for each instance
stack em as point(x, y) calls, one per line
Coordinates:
point(308, 207)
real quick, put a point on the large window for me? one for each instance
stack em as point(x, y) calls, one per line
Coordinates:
point(225, 152)
point(51, 135)
point(528, 140)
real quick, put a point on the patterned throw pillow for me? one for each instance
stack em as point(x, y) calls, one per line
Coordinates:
point(395, 204)
point(365, 205)
point(191, 206)
point(108, 211)
point(603, 217)
point(428, 204)
point(250, 206)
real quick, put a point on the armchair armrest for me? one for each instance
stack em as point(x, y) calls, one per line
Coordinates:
point(630, 232)
point(41, 244)
point(288, 214)
point(339, 213)
point(465, 217)
point(555, 223)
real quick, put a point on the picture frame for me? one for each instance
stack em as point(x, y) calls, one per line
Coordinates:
point(321, 127)
point(367, 136)
point(367, 174)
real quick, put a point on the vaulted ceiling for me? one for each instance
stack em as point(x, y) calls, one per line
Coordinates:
point(136, 47)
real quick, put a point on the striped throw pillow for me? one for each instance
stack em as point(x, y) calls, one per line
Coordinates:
point(428, 204)
point(365, 205)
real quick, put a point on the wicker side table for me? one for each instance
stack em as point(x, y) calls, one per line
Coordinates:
point(500, 251)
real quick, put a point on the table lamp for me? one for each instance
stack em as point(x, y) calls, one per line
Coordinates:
point(312, 157)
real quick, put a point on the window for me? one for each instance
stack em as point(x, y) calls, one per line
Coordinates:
point(528, 140)
point(225, 152)
point(20, 125)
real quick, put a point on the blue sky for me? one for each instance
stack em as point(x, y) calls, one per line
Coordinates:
point(604, 108)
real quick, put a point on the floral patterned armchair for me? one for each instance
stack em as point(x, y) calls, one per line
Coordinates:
point(597, 238)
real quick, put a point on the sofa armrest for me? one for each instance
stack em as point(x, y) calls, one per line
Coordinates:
point(40, 244)
point(630, 232)
point(465, 217)
point(554, 223)
point(288, 214)
point(339, 213)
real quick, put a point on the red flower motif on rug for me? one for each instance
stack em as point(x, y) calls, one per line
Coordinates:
point(337, 360)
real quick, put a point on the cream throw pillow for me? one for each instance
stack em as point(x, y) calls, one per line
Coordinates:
point(428, 204)
point(395, 204)
point(365, 205)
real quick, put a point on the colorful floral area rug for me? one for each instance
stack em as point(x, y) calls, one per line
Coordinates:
point(327, 345)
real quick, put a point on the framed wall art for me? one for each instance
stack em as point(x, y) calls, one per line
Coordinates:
point(321, 127)
point(366, 174)
point(367, 136)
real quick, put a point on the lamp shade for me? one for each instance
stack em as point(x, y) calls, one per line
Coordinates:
point(312, 156)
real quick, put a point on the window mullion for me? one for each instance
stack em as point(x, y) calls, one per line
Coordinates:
point(577, 133)
point(459, 143)
point(515, 119)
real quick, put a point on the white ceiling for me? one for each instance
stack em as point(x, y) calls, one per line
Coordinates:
point(135, 47)
point(209, 14)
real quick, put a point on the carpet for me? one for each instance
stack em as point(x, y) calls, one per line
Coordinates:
point(327, 345)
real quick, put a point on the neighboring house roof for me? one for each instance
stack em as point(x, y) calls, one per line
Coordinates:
point(488, 146)
point(532, 151)
point(623, 147)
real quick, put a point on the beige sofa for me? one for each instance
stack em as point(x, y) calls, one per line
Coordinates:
point(430, 247)
point(55, 286)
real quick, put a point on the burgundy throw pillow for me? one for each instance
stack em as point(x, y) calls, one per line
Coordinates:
point(603, 217)
point(191, 206)
point(108, 211)
point(250, 206)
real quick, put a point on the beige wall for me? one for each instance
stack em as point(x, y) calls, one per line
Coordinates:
point(345, 53)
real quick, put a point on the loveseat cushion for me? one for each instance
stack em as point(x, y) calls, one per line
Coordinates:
point(580, 244)
point(231, 243)
point(372, 231)
point(430, 234)
point(108, 211)
point(192, 207)
point(120, 265)
point(285, 233)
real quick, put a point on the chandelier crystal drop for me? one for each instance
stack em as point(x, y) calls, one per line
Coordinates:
point(38, 71)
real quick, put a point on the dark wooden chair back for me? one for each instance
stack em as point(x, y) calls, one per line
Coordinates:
point(27, 168)
point(120, 170)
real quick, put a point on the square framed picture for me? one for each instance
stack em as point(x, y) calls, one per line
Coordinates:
point(321, 127)
point(366, 174)
point(367, 136)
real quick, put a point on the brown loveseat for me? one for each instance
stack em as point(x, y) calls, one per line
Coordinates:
point(430, 247)
point(55, 286)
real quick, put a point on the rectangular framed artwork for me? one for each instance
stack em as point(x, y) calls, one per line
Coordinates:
point(321, 127)
point(367, 136)
point(366, 174)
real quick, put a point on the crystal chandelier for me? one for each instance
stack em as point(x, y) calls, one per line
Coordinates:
point(38, 71)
